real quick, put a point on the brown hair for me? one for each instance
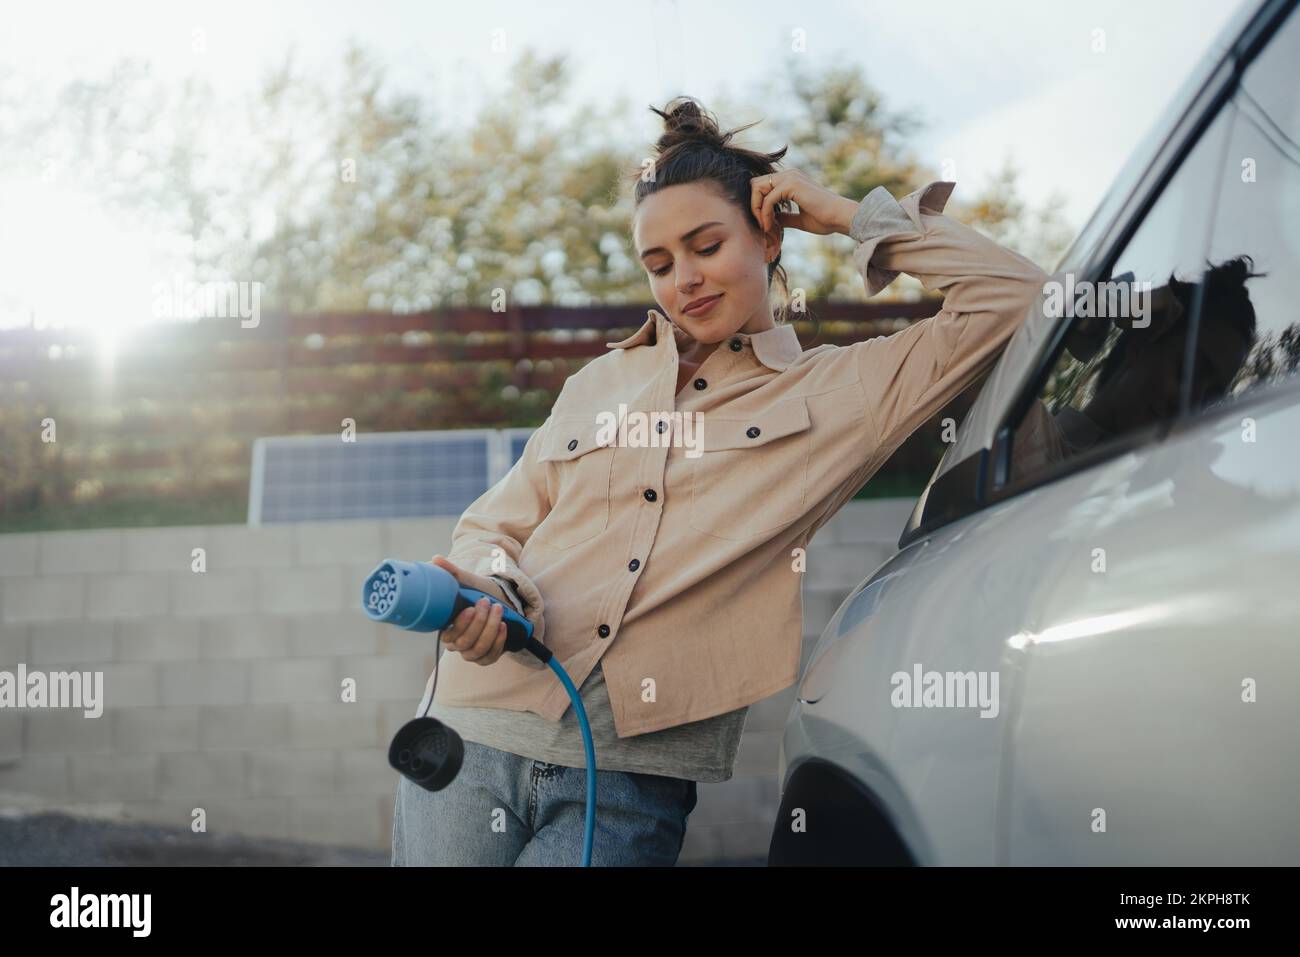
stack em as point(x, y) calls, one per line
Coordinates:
point(694, 148)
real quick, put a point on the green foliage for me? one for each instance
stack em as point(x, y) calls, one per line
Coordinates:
point(339, 193)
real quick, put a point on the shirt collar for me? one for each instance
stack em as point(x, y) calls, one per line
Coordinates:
point(775, 348)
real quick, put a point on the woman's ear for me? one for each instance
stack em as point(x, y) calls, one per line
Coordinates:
point(772, 244)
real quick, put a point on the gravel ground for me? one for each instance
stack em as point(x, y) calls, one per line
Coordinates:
point(58, 840)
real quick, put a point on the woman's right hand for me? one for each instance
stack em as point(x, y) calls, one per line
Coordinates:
point(478, 633)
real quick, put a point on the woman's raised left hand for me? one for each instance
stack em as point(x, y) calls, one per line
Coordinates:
point(821, 211)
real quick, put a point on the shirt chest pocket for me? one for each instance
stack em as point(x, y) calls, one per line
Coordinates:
point(751, 474)
point(582, 474)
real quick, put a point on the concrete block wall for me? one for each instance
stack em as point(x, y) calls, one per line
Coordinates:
point(223, 690)
point(733, 819)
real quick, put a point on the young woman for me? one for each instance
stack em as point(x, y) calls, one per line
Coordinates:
point(663, 568)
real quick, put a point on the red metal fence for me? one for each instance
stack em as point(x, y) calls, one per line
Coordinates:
point(175, 411)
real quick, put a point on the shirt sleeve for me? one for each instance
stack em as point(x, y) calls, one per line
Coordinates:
point(909, 376)
point(490, 535)
point(509, 588)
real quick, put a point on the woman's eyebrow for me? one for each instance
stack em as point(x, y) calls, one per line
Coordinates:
point(685, 237)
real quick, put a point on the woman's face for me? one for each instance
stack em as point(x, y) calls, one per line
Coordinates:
point(728, 257)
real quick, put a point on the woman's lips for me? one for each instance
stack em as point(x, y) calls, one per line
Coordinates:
point(703, 307)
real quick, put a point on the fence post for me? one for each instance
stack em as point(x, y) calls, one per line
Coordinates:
point(521, 376)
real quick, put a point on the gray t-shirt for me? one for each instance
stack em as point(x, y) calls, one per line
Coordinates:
point(703, 751)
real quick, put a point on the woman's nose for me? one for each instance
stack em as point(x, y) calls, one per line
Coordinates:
point(688, 280)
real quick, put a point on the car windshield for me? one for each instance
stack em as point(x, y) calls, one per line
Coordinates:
point(972, 439)
point(1135, 166)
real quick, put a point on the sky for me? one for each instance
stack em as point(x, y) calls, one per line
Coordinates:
point(1063, 89)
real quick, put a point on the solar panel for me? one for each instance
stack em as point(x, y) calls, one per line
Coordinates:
point(380, 475)
point(516, 439)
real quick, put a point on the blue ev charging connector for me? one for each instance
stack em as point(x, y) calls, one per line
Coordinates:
point(419, 596)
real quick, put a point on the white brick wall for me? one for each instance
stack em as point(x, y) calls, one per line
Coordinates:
point(65, 553)
point(154, 730)
point(68, 643)
point(42, 599)
point(127, 596)
point(222, 689)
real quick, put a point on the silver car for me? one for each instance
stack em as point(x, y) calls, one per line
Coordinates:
point(1087, 648)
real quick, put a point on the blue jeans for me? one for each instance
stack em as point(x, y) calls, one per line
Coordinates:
point(504, 810)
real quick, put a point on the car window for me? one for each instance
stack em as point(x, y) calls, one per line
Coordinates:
point(1134, 168)
point(1118, 371)
point(1248, 326)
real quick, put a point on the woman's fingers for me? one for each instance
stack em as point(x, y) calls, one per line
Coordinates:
point(489, 630)
point(820, 210)
point(795, 220)
point(478, 633)
point(446, 566)
point(455, 634)
point(475, 630)
point(498, 646)
point(765, 192)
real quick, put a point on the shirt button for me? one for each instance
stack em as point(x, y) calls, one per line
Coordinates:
point(736, 345)
point(662, 426)
point(573, 444)
point(633, 565)
point(701, 384)
point(753, 431)
point(650, 495)
point(603, 631)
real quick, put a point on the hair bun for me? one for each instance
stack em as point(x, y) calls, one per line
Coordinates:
point(684, 120)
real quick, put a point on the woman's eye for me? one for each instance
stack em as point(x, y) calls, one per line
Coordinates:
point(703, 252)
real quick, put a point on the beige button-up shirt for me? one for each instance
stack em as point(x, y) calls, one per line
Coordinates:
point(673, 553)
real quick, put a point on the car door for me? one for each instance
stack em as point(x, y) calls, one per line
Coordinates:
point(998, 541)
point(1159, 707)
